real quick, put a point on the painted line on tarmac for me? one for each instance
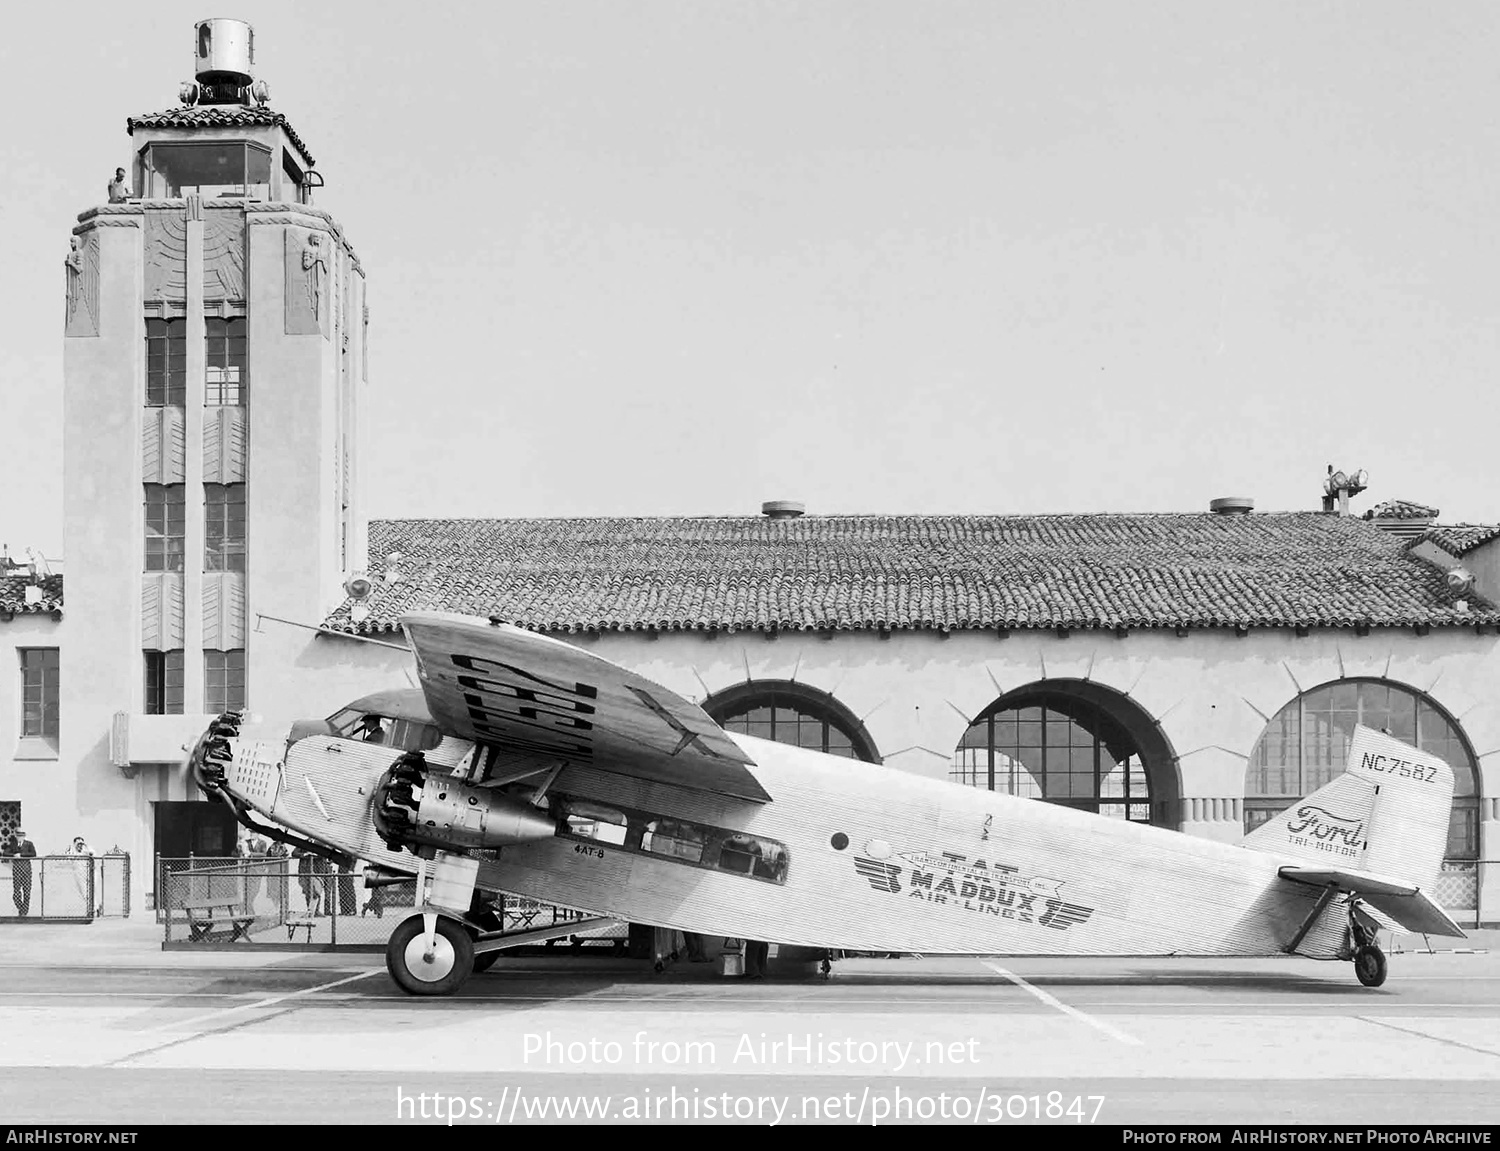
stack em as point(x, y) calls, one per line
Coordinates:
point(233, 1026)
point(260, 1003)
point(1098, 1024)
point(1427, 1035)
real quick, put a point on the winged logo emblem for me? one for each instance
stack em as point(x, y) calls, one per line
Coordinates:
point(1063, 915)
point(882, 876)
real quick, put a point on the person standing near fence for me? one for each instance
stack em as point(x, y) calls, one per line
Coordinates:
point(348, 899)
point(323, 889)
point(253, 852)
point(21, 852)
point(83, 874)
point(277, 865)
point(312, 893)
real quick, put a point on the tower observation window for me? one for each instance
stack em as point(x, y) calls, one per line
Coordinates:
point(229, 169)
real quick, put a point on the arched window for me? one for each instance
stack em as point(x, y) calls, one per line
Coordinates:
point(792, 713)
point(1306, 746)
point(1058, 747)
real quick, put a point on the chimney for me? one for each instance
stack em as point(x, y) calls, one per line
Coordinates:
point(1231, 506)
point(781, 509)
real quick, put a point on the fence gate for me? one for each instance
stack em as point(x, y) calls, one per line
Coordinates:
point(65, 888)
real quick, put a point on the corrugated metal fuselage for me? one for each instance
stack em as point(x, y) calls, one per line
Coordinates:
point(877, 860)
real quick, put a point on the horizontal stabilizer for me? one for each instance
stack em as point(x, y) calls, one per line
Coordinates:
point(1403, 903)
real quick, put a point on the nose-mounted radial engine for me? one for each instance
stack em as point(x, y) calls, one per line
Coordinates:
point(213, 754)
point(416, 807)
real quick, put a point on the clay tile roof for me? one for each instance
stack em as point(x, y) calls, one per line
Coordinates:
point(909, 572)
point(13, 594)
point(1459, 539)
point(218, 116)
point(1401, 510)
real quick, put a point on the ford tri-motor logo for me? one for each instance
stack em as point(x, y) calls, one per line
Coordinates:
point(1321, 828)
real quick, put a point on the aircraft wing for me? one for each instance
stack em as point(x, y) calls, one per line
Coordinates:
point(527, 693)
point(1403, 903)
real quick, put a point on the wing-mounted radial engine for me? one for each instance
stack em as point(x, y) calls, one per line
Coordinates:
point(417, 806)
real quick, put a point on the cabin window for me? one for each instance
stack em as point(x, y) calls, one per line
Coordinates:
point(670, 837)
point(751, 855)
point(595, 821)
point(679, 840)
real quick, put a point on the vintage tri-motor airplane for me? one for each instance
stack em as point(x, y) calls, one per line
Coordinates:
point(539, 770)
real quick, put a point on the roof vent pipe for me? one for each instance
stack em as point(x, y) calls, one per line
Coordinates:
point(1231, 506)
point(781, 509)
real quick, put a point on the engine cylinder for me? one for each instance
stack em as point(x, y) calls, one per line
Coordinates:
point(415, 807)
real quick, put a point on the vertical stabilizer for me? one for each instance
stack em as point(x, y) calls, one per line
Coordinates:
point(1387, 814)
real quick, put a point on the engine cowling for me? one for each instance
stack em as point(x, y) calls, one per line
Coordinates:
point(417, 807)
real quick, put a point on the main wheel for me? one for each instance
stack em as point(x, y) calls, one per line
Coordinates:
point(1369, 965)
point(452, 957)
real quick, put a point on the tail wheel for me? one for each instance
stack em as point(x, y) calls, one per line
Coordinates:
point(452, 960)
point(1369, 965)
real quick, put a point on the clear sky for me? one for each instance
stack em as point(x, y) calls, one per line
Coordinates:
point(648, 257)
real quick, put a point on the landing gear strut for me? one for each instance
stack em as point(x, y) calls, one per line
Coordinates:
point(1369, 960)
point(433, 953)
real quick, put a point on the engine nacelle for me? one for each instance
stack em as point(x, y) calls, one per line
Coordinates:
point(416, 807)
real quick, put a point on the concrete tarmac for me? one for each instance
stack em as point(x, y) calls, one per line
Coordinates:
point(99, 1029)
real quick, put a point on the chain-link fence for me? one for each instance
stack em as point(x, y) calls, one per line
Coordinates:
point(71, 888)
point(1459, 890)
point(308, 902)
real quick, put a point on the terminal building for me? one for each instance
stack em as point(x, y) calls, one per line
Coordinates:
point(1197, 671)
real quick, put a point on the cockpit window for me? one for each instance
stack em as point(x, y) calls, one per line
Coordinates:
point(401, 734)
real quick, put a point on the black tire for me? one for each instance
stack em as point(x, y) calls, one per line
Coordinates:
point(1369, 965)
point(454, 954)
point(483, 963)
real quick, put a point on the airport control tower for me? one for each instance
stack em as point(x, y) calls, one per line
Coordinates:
point(214, 354)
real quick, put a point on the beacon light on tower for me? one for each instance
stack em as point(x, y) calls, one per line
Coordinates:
point(223, 59)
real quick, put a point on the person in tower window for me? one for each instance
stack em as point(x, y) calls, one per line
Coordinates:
point(118, 192)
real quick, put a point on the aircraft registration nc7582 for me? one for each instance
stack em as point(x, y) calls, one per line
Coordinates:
point(529, 767)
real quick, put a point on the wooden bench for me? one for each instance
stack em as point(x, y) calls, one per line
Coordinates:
point(216, 920)
point(293, 925)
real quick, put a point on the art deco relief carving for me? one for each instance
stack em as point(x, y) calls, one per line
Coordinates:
point(83, 285)
point(166, 254)
point(224, 256)
point(307, 286)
